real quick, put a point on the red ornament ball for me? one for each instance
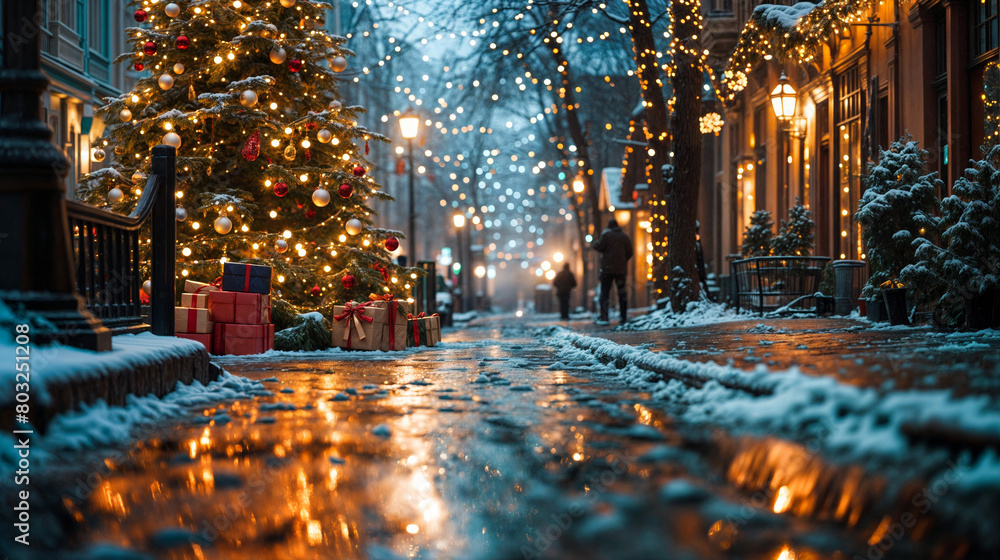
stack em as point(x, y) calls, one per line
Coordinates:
point(294, 65)
point(139, 66)
point(310, 213)
point(345, 190)
point(140, 15)
point(183, 42)
point(391, 244)
point(315, 290)
point(348, 281)
point(149, 48)
point(280, 189)
point(359, 171)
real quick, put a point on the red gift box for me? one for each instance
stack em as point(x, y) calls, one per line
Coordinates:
point(205, 339)
point(239, 307)
point(242, 340)
point(192, 320)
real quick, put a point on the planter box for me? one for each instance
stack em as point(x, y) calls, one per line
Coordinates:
point(895, 305)
point(876, 311)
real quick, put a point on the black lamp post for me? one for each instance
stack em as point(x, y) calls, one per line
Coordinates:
point(409, 126)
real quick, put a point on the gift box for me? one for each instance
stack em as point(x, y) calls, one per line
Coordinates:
point(205, 339)
point(394, 327)
point(244, 277)
point(192, 287)
point(433, 329)
point(239, 307)
point(195, 300)
point(192, 320)
point(358, 326)
point(242, 340)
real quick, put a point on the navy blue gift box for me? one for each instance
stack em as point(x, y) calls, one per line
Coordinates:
point(243, 277)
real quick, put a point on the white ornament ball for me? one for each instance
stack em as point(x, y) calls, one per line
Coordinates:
point(178, 68)
point(338, 64)
point(248, 98)
point(321, 197)
point(98, 155)
point(147, 287)
point(166, 81)
point(223, 225)
point(181, 214)
point(115, 195)
point(172, 139)
point(272, 29)
point(281, 245)
point(172, 9)
point(278, 55)
point(138, 177)
point(324, 135)
point(336, 104)
point(125, 115)
point(287, 3)
point(353, 226)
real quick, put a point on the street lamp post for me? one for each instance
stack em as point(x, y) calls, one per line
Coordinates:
point(459, 220)
point(409, 126)
point(783, 101)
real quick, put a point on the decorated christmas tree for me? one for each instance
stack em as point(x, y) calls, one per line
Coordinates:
point(897, 207)
point(796, 236)
point(757, 237)
point(270, 160)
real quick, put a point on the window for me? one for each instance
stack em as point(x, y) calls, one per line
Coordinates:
point(850, 101)
point(98, 37)
point(984, 27)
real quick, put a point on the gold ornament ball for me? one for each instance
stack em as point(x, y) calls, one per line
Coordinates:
point(338, 64)
point(324, 136)
point(321, 197)
point(281, 245)
point(278, 55)
point(147, 287)
point(353, 226)
point(223, 225)
point(287, 3)
point(172, 139)
point(97, 154)
point(115, 195)
point(248, 98)
point(138, 177)
point(178, 68)
point(290, 152)
point(172, 9)
point(166, 81)
point(125, 115)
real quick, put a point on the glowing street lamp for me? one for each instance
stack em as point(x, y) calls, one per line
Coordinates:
point(578, 185)
point(783, 99)
point(558, 257)
point(409, 126)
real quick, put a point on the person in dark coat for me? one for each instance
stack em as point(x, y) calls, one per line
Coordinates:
point(616, 250)
point(564, 282)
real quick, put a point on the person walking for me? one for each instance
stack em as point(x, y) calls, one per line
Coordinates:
point(564, 282)
point(616, 250)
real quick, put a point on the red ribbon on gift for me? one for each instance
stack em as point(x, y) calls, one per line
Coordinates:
point(192, 321)
point(355, 312)
point(393, 308)
point(416, 327)
point(215, 284)
point(246, 278)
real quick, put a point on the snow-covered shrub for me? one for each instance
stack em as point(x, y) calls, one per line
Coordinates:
point(311, 333)
point(758, 235)
point(897, 207)
point(796, 236)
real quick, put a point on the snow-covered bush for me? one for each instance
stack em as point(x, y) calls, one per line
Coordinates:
point(311, 333)
point(796, 236)
point(758, 235)
point(897, 207)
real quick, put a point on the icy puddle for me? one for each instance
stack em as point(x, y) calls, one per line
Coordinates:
point(474, 449)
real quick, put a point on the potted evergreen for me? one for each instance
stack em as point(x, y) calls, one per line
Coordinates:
point(758, 235)
point(897, 207)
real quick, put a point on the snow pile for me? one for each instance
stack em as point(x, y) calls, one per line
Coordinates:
point(696, 313)
point(771, 15)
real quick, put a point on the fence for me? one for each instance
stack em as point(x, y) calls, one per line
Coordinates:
point(106, 248)
point(770, 283)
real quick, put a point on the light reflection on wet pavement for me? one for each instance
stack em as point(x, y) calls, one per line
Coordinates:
point(473, 449)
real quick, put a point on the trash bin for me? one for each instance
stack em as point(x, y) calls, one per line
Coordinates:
point(848, 278)
point(543, 299)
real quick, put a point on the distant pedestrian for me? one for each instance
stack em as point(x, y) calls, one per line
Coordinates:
point(616, 249)
point(564, 282)
point(700, 255)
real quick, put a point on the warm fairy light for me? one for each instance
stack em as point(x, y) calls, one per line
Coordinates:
point(195, 225)
point(273, 214)
point(412, 529)
point(186, 251)
point(275, 143)
point(135, 98)
point(281, 278)
point(286, 234)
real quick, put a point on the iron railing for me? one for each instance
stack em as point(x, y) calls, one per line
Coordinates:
point(771, 283)
point(107, 251)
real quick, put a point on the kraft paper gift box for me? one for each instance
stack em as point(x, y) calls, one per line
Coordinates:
point(192, 320)
point(358, 326)
point(394, 327)
point(205, 339)
point(243, 340)
point(244, 277)
point(433, 329)
point(195, 300)
point(240, 307)
point(192, 287)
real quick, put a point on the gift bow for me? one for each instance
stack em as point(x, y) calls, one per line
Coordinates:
point(384, 297)
point(416, 327)
point(418, 316)
point(217, 284)
point(355, 312)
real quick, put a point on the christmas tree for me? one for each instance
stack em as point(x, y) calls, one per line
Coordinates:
point(248, 94)
point(897, 207)
point(757, 237)
point(796, 235)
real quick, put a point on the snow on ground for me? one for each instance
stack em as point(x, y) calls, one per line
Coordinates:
point(696, 313)
point(850, 423)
